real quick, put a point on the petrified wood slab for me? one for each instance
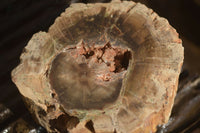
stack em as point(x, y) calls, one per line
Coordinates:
point(102, 68)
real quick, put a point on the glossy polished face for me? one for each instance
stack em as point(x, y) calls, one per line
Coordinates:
point(89, 76)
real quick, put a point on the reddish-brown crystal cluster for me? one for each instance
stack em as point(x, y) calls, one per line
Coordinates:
point(110, 60)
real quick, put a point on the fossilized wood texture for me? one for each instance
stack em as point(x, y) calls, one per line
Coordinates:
point(185, 112)
point(102, 68)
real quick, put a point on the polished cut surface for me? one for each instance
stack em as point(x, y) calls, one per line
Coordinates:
point(89, 77)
